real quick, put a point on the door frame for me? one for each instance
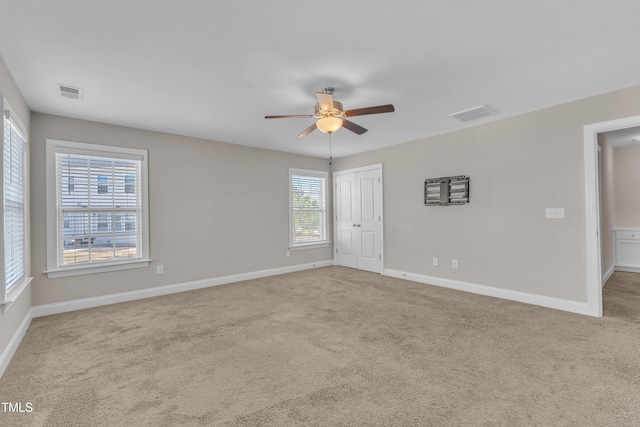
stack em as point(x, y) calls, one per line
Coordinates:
point(592, 208)
point(378, 167)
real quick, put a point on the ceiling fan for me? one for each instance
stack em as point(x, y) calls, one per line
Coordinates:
point(331, 116)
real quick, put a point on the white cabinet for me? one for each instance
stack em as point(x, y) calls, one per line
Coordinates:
point(627, 247)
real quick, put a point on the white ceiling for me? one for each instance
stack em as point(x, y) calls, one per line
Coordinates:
point(623, 137)
point(215, 69)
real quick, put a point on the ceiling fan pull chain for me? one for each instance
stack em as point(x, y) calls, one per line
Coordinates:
point(330, 154)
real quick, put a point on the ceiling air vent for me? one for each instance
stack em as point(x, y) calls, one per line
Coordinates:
point(474, 113)
point(70, 91)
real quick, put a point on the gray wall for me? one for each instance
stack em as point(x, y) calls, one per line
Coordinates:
point(518, 167)
point(10, 321)
point(216, 209)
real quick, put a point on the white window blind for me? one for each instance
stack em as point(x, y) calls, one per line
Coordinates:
point(99, 209)
point(308, 215)
point(14, 202)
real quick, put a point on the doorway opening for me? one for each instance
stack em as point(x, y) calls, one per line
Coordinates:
point(592, 207)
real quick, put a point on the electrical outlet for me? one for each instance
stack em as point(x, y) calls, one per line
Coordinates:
point(288, 252)
point(160, 269)
point(454, 263)
point(554, 213)
point(435, 262)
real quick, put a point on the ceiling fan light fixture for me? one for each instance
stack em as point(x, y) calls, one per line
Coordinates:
point(331, 115)
point(329, 124)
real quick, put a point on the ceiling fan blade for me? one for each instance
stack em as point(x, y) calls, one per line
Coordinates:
point(307, 116)
point(353, 127)
point(388, 108)
point(325, 100)
point(308, 130)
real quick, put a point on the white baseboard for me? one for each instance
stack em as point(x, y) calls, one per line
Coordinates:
point(11, 348)
point(627, 269)
point(544, 301)
point(81, 304)
point(608, 274)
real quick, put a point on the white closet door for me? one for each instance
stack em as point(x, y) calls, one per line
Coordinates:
point(369, 224)
point(359, 219)
point(346, 230)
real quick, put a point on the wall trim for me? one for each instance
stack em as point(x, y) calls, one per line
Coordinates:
point(81, 304)
point(9, 351)
point(541, 300)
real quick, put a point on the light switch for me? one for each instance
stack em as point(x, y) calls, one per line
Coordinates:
point(555, 213)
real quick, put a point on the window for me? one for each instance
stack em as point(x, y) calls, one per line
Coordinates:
point(130, 184)
point(85, 230)
point(103, 221)
point(103, 184)
point(308, 208)
point(117, 222)
point(14, 226)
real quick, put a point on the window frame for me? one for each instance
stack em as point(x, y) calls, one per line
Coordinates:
point(10, 295)
point(312, 174)
point(55, 146)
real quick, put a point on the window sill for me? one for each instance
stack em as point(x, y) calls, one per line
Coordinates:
point(98, 268)
point(309, 246)
point(14, 293)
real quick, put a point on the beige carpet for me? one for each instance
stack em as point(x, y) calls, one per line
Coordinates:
point(331, 347)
